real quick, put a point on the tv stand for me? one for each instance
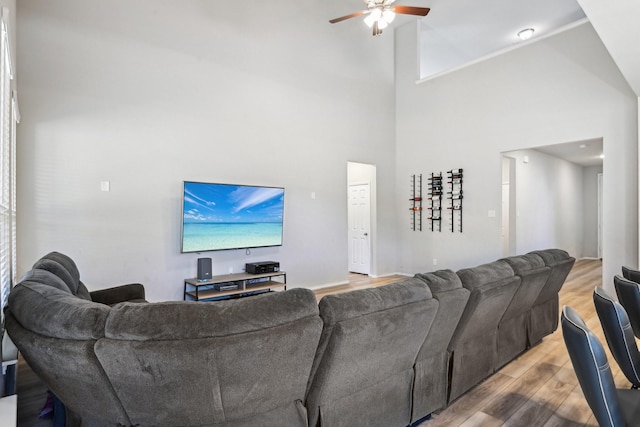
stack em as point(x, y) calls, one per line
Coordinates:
point(242, 284)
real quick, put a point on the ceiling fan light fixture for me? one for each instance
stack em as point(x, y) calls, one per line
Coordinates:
point(369, 20)
point(388, 15)
point(526, 34)
point(382, 16)
point(381, 13)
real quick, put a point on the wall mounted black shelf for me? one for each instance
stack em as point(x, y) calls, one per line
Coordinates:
point(415, 199)
point(455, 196)
point(435, 201)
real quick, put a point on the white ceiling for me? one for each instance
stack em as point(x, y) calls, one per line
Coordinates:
point(456, 33)
point(616, 22)
point(583, 153)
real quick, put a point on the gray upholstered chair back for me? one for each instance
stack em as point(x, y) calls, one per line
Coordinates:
point(590, 364)
point(513, 330)
point(628, 293)
point(631, 274)
point(56, 333)
point(431, 385)
point(363, 371)
point(474, 342)
point(544, 314)
point(65, 268)
point(238, 362)
point(619, 335)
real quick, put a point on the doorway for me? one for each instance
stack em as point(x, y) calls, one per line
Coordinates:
point(552, 198)
point(508, 206)
point(361, 214)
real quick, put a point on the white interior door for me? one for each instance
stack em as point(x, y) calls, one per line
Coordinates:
point(359, 228)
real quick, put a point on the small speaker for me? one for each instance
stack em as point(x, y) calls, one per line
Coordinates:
point(204, 269)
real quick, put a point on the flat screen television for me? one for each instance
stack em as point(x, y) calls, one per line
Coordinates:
point(226, 216)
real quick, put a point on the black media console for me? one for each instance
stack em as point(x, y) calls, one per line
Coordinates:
point(233, 286)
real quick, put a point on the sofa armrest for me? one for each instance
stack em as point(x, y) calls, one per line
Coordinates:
point(133, 292)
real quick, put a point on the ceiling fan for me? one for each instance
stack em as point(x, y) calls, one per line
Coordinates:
point(381, 14)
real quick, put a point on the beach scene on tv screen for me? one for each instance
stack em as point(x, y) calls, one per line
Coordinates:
point(222, 216)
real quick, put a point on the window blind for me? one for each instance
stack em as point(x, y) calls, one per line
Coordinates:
point(8, 115)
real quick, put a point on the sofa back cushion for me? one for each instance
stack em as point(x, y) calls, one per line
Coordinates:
point(65, 268)
point(474, 342)
point(534, 275)
point(431, 389)
point(42, 303)
point(446, 287)
point(200, 363)
point(363, 369)
point(492, 287)
point(56, 333)
point(561, 264)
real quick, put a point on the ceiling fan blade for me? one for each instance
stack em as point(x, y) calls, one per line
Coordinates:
point(344, 18)
point(411, 10)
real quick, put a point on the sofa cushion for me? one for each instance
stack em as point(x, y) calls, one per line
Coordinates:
point(64, 267)
point(236, 362)
point(194, 320)
point(46, 278)
point(71, 370)
point(441, 280)
point(474, 343)
point(338, 307)
point(430, 391)
point(514, 327)
point(56, 313)
point(363, 370)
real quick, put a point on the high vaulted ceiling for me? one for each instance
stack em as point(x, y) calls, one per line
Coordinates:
point(460, 32)
point(616, 22)
point(457, 33)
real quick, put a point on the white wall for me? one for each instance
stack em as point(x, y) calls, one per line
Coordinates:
point(149, 93)
point(562, 88)
point(590, 209)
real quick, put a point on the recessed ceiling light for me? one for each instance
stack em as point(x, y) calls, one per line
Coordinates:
point(525, 34)
point(583, 145)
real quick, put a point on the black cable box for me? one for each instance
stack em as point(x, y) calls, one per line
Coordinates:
point(262, 267)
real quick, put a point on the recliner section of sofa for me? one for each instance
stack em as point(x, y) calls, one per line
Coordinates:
point(56, 332)
point(363, 371)
point(431, 382)
point(544, 313)
point(233, 363)
point(245, 361)
point(474, 345)
point(514, 325)
point(386, 356)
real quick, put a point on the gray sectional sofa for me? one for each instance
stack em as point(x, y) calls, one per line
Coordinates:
point(386, 356)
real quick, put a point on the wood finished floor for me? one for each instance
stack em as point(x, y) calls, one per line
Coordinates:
point(537, 389)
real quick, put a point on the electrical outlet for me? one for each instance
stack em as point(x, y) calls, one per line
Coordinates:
point(435, 261)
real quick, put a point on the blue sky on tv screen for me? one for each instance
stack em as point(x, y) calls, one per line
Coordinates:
point(223, 203)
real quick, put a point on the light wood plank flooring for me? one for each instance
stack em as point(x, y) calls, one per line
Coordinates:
point(537, 389)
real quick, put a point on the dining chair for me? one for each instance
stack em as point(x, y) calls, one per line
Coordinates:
point(611, 407)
